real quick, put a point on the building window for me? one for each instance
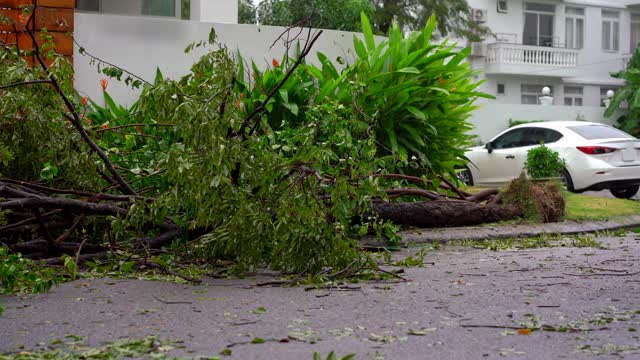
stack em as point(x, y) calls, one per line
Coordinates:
point(170, 8)
point(574, 28)
point(635, 31)
point(500, 89)
point(88, 5)
point(530, 93)
point(538, 24)
point(610, 30)
point(503, 6)
point(573, 95)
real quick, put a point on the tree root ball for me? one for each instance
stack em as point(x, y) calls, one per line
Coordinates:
point(539, 201)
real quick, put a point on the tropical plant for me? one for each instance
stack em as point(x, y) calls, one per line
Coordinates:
point(417, 95)
point(629, 93)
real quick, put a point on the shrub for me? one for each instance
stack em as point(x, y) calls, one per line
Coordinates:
point(543, 162)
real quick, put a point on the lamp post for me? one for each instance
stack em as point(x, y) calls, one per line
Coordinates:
point(546, 99)
point(607, 101)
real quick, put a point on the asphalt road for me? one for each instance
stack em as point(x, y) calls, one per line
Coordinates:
point(455, 307)
point(607, 194)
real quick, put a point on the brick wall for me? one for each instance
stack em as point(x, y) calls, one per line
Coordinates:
point(53, 16)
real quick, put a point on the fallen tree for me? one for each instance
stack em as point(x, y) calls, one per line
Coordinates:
point(259, 167)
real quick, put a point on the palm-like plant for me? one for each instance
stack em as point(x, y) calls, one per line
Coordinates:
point(629, 93)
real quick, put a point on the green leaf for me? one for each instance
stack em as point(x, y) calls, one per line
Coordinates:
point(368, 33)
point(427, 32)
point(292, 107)
point(111, 105)
point(636, 100)
point(159, 78)
point(417, 113)
point(409, 70)
point(358, 45)
point(444, 91)
point(284, 94)
point(258, 341)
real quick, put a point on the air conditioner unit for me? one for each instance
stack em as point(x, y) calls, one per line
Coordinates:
point(479, 15)
point(478, 49)
point(503, 6)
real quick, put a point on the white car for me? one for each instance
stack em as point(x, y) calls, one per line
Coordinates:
point(597, 156)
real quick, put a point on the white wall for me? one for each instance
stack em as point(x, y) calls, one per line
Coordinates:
point(595, 64)
point(140, 44)
point(128, 7)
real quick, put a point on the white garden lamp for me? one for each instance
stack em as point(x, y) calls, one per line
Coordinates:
point(546, 99)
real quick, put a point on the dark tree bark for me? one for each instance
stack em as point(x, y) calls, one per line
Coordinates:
point(444, 213)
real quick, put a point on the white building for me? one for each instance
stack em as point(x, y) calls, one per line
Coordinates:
point(216, 11)
point(570, 46)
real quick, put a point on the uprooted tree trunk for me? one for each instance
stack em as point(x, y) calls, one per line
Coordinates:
point(442, 213)
point(36, 209)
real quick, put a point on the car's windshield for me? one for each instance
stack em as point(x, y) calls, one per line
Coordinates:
point(594, 132)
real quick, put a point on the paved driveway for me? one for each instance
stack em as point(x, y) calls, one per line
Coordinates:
point(465, 303)
point(607, 194)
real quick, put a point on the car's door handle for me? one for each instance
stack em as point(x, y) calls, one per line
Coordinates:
point(510, 157)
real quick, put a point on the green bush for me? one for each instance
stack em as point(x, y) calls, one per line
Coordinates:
point(543, 162)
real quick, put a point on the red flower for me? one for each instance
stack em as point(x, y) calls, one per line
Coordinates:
point(85, 101)
point(104, 83)
point(139, 128)
point(275, 63)
point(105, 126)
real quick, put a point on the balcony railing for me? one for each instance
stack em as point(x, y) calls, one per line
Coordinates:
point(514, 54)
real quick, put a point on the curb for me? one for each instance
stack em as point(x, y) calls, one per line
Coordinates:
point(444, 235)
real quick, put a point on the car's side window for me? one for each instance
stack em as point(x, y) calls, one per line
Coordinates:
point(511, 139)
point(545, 136)
point(550, 136)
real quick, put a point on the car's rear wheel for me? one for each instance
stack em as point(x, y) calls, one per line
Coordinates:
point(625, 193)
point(567, 181)
point(465, 177)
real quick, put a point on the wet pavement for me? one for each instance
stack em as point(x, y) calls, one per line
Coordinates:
point(465, 303)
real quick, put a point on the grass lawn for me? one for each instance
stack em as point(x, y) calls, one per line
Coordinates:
point(586, 207)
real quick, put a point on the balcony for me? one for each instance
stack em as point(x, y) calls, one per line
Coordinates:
point(502, 58)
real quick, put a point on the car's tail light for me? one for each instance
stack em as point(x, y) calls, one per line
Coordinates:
point(596, 150)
